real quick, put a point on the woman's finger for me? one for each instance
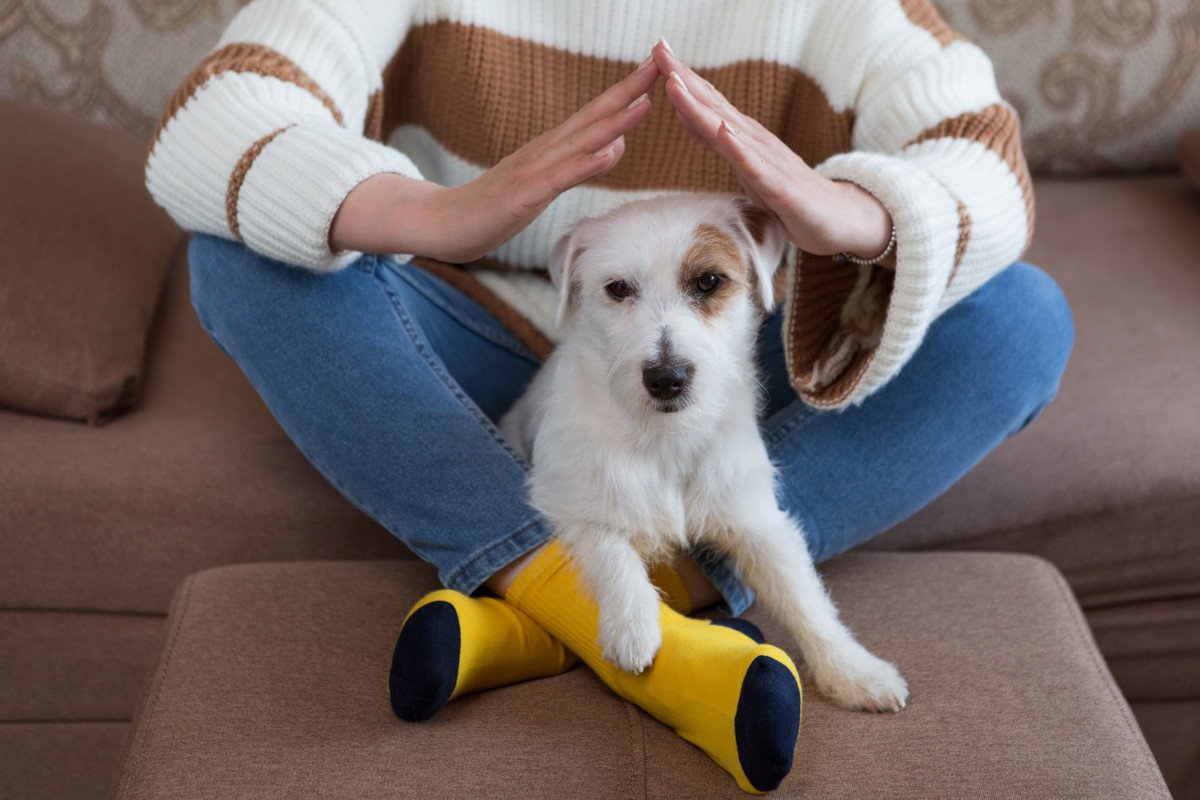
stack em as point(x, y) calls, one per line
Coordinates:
point(614, 98)
point(699, 116)
point(605, 130)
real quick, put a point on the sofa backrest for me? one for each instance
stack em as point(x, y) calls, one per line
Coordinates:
point(1101, 85)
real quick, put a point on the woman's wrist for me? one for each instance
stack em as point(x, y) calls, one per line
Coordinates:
point(865, 225)
point(386, 213)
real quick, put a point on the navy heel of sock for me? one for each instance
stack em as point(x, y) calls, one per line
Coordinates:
point(742, 626)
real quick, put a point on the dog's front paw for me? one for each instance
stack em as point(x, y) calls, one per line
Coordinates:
point(630, 640)
point(860, 681)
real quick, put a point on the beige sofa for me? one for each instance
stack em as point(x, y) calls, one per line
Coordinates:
point(100, 524)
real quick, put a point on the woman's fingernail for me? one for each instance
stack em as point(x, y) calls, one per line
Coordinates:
point(666, 44)
point(649, 60)
point(637, 101)
point(678, 80)
point(733, 131)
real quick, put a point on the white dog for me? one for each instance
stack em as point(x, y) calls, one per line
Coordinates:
point(642, 428)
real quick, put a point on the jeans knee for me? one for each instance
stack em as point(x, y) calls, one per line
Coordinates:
point(209, 258)
point(1031, 333)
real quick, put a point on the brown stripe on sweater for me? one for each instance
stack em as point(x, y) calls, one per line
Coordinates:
point(998, 128)
point(922, 14)
point(243, 57)
point(964, 238)
point(820, 289)
point(505, 91)
point(373, 128)
point(238, 177)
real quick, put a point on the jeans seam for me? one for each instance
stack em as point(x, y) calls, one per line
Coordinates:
point(799, 416)
point(500, 339)
point(447, 380)
point(465, 574)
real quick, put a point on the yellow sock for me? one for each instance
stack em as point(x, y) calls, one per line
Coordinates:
point(452, 645)
point(737, 700)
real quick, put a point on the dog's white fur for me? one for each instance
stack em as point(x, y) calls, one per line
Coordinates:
point(626, 483)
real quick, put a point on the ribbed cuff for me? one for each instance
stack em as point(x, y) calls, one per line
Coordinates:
point(926, 218)
point(295, 186)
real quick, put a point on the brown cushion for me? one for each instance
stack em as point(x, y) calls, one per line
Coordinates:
point(1189, 157)
point(85, 249)
point(199, 474)
point(1105, 483)
point(65, 761)
point(59, 666)
point(273, 684)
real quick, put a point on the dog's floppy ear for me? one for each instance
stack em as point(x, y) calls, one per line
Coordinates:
point(765, 241)
point(563, 258)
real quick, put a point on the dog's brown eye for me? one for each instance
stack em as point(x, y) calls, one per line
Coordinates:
point(618, 290)
point(707, 282)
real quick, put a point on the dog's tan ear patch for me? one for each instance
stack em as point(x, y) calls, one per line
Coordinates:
point(713, 252)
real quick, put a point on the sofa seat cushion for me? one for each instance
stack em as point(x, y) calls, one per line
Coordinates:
point(1106, 483)
point(273, 683)
point(112, 518)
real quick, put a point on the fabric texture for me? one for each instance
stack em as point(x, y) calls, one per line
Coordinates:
point(262, 142)
point(1106, 484)
point(66, 761)
point(59, 666)
point(380, 336)
point(217, 720)
point(85, 252)
point(1189, 157)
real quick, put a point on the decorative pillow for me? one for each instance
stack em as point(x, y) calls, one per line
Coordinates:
point(83, 252)
point(1189, 157)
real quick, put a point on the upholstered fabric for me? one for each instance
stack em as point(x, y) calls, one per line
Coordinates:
point(1189, 156)
point(273, 683)
point(59, 666)
point(1106, 484)
point(64, 761)
point(1098, 85)
point(112, 518)
point(85, 251)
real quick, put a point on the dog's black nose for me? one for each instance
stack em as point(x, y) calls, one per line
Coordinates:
point(666, 381)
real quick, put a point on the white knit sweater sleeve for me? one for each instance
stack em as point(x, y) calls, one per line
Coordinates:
point(935, 143)
point(264, 140)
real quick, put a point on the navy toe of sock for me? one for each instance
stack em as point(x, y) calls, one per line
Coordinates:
point(742, 626)
point(425, 662)
point(767, 723)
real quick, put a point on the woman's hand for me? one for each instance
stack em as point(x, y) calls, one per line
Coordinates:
point(821, 216)
point(395, 214)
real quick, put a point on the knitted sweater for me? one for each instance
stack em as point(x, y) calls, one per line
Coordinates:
point(303, 99)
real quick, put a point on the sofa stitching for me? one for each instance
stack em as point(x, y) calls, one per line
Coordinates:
point(637, 742)
point(133, 752)
point(1085, 639)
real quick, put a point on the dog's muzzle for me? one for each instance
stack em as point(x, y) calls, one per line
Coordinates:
point(667, 382)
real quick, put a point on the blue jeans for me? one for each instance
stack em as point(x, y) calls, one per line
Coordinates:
point(391, 383)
